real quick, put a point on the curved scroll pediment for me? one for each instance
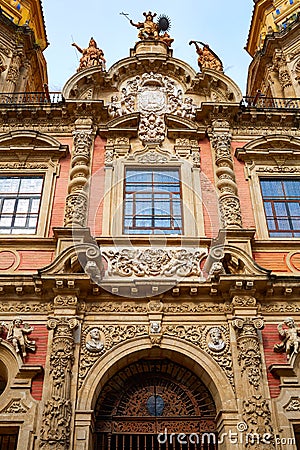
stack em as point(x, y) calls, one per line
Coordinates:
point(266, 145)
point(237, 262)
point(72, 260)
point(30, 140)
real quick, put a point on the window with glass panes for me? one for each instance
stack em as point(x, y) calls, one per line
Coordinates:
point(281, 198)
point(152, 202)
point(20, 199)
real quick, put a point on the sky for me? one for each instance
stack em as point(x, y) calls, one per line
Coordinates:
point(224, 25)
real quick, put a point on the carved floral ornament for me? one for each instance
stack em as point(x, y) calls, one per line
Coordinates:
point(248, 348)
point(55, 430)
point(98, 340)
point(152, 95)
point(151, 262)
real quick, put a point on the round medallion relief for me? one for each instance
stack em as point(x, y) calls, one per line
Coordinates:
point(9, 260)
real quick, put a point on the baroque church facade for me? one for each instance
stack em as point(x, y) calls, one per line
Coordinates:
point(150, 243)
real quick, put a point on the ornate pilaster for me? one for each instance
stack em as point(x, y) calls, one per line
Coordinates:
point(13, 72)
point(77, 199)
point(229, 203)
point(248, 349)
point(56, 421)
point(284, 77)
point(255, 406)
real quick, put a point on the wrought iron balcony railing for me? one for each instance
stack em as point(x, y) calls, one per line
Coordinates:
point(259, 101)
point(29, 98)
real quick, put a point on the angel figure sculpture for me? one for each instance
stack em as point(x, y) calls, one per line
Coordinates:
point(291, 338)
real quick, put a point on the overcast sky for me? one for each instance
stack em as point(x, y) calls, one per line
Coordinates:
point(224, 25)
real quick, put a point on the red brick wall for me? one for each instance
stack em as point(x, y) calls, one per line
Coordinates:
point(40, 336)
point(97, 188)
point(243, 190)
point(275, 261)
point(209, 191)
point(270, 338)
point(61, 190)
point(31, 260)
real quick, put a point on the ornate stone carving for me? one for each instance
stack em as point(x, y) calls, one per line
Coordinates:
point(290, 336)
point(243, 300)
point(230, 212)
point(153, 95)
point(207, 59)
point(17, 334)
point(248, 347)
point(228, 200)
point(116, 307)
point(65, 300)
point(76, 209)
point(110, 336)
point(280, 307)
point(154, 262)
point(94, 341)
point(92, 56)
point(152, 128)
point(215, 341)
point(77, 199)
point(25, 307)
point(199, 336)
point(15, 406)
point(293, 405)
point(152, 157)
point(197, 308)
point(82, 143)
point(257, 416)
point(155, 306)
point(23, 165)
point(14, 69)
point(55, 430)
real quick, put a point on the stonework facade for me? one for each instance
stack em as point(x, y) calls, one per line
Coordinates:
point(150, 253)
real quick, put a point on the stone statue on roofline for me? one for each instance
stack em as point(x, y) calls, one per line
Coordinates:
point(207, 58)
point(91, 56)
point(153, 30)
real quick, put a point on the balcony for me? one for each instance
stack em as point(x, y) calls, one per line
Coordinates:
point(30, 98)
point(261, 102)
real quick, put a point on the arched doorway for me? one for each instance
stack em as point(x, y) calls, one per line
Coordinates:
point(155, 404)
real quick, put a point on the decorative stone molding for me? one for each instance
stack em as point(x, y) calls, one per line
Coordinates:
point(244, 301)
point(199, 336)
point(257, 416)
point(15, 406)
point(65, 300)
point(152, 95)
point(56, 421)
point(248, 348)
point(280, 308)
point(152, 262)
point(110, 336)
point(293, 404)
point(77, 199)
point(13, 307)
point(229, 203)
